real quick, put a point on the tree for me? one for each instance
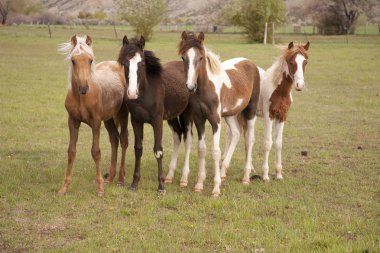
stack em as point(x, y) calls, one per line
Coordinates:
point(143, 15)
point(5, 6)
point(336, 16)
point(253, 14)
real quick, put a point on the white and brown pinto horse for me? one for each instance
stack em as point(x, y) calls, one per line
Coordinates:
point(277, 83)
point(95, 94)
point(221, 90)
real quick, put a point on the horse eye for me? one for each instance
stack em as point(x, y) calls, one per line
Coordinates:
point(201, 58)
point(183, 58)
point(91, 61)
point(73, 62)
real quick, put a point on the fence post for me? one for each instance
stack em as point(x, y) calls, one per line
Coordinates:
point(273, 42)
point(265, 33)
point(49, 30)
point(114, 29)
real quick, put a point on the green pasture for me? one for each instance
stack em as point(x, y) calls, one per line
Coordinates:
point(329, 200)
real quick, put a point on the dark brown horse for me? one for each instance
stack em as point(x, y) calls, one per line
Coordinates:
point(154, 93)
point(95, 94)
point(222, 90)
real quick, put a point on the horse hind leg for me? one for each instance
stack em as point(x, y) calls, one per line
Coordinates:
point(176, 133)
point(249, 142)
point(188, 138)
point(235, 133)
point(113, 135)
point(123, 119)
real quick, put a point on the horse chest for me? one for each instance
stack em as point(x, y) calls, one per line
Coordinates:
point(139, 111)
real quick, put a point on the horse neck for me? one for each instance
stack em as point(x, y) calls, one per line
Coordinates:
point(285, 86)
point(203, 76)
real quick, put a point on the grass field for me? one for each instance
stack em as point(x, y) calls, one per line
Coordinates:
point(329, 201)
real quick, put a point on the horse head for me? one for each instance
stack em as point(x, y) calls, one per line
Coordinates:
point(132, 57)
point(193, 56)
point(296, 59)
point(79, 52)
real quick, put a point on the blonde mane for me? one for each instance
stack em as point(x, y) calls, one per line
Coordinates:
point(69, 50)
point(213, 62)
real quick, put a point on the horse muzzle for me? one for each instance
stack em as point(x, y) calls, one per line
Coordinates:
point(83, 89)
point(132, 94)
point(192, 88)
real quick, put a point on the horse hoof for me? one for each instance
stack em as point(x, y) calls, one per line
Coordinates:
point(162, 192)
point(120, 183)
point(168, 180)
point(245, 182)
point(215, 194)
point(265, 178)
point(133, 188)
point(223, 179)
point(100, 194)
point(279, 177)
point(106, 181)
point(61, 193)
point(198, 189)
point(183, 184)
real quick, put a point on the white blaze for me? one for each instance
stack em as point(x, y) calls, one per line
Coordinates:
point(191, 80)
point(298, 76)
point(133, 66)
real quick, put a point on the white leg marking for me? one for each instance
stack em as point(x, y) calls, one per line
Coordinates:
point(158, 154)
point(186, 165)
point(267, 144)
point(234, 127)
point(174, 158)
point(202, 163)
point(278, 130)
point(216, 155)
point(249, 142)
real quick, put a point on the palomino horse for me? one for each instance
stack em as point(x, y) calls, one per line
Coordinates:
point(222, 90)
point(275, 98)
point(95, 94)
point(154, 93)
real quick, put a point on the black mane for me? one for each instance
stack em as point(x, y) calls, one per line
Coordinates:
point(153, 64)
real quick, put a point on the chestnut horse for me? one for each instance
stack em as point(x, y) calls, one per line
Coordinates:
point(95, 94)
point(154, 93)
point(275, 99)
point(222, 90)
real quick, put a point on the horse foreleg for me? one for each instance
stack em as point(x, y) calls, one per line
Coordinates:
point(200, 124)
point(123, 119)
point(71, 153)
point(158, 151)
point(95, 152)
point(216, 155)
point(278, 130)
point(249, 142)
point(234, 133)
point(138, 130)
point(113, 135)
point(267, 145)
point(188, 138)
point(176, 133)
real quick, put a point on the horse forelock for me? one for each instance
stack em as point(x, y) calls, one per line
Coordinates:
point(80, 47)
point(190, 42)
point(128, 51)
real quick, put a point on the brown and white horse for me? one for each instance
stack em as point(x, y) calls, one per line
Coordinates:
point(154, 93)
point(277, 83)
point(221, 90)
point(95, 94)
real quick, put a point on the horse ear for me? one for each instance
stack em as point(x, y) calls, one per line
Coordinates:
point(142, 42)
point(88, 40)
point(290, 45)
point(307, 46)
point(201, 36)
point(125, 40)
point(184, 35)
point(74, 40)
